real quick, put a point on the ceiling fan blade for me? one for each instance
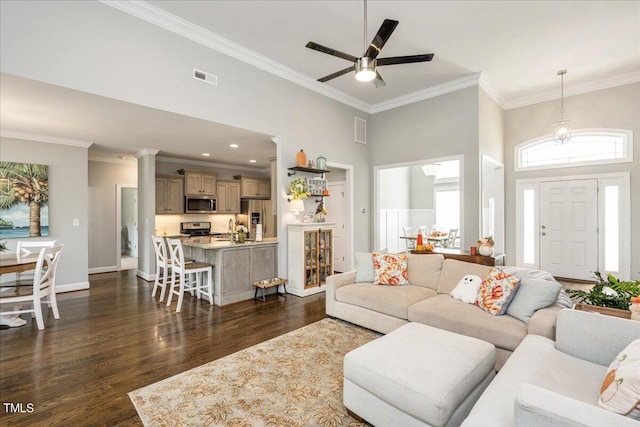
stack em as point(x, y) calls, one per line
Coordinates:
point(404, 59)
point(332, 52)
point(337, 74)
point(378, 81)
point(381, 38)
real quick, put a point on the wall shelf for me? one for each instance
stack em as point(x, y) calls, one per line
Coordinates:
point(307, 170)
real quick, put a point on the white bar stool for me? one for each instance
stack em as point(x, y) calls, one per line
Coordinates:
point(189, 275)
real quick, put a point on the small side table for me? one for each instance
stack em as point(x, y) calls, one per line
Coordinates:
point(268, 283)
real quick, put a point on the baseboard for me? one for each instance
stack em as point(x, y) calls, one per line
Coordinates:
point(70, 287)
point(107, 269)
point(146, 276)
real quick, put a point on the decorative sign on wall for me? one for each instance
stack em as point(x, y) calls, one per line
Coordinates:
point(24, 200)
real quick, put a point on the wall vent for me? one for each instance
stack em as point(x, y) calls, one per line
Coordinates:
point(205, 77)
point(360, 130)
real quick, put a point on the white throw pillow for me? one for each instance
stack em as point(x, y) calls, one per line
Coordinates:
point(364, 266)
point(467, 288)
point(620, 390)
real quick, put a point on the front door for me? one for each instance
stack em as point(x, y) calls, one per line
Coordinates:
point(569, 228)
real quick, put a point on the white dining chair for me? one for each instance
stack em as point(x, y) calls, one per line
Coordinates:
point(408, 232)
point(29, 247)
point(187, 277)
point(163, 266)
point(43, 286)
point(451, 238)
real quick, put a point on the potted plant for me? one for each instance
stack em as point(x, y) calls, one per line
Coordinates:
point(608, 296)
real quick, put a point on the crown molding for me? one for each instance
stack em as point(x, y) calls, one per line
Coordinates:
point(211, 164)
point(486, 86)
point(431, 92)
point(110, 159)
point(165, 20)
point(146, 152)
point(605, 83)
point(45, 138)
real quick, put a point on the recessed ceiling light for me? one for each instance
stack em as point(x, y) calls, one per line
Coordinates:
point(252, 161)
point(234, 145)
point(206, 154)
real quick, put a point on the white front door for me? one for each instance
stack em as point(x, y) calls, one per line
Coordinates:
point(569, 228)
point(335, 205)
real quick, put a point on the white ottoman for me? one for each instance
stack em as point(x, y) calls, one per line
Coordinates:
point(417, 375)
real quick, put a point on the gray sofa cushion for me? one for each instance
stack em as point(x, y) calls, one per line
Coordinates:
point(447, 313)
point(392, 300)
point(424, 270)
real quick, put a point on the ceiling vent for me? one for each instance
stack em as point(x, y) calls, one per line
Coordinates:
point(205, 77)
point(360, 130)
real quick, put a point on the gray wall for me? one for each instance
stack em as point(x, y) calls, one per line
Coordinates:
point(68, 197)
point(122, 57)
point(443, 126)
point(490, 128)
point(421, 187)
point(103, 178)
point(617, 107)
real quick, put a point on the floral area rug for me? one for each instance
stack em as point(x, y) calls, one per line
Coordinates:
point(292, 380)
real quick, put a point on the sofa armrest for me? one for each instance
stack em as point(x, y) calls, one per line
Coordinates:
point(543, 322)
point(535, 406)
point(334, 282)
point(594, 337)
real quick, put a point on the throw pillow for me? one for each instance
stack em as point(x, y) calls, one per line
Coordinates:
point(390, 269)
point(364, 267)
point(532, 295)
point(496, 292)
point(467, 288)
point(620, 390)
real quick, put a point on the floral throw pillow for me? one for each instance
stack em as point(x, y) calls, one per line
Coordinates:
point(620, 390)
point(496, 291)
point(390, 269)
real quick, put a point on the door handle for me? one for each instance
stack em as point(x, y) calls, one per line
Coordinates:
point(543, 233)
point(543, 227)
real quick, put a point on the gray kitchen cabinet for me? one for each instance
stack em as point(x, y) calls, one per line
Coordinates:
point(169, 195)
point(200, 184)
point(228, 196)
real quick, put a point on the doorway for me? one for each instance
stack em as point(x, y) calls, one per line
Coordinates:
point(126, 227)
point(336, 212)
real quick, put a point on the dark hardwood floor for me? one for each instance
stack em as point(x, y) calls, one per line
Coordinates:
point(115, 338)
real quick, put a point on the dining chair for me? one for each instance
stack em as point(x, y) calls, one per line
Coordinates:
point(43, 286)
point(28, 247)
point(451, 238)
point(408, 232)
point(163, 266)
point(187, 277)
point(423, 230)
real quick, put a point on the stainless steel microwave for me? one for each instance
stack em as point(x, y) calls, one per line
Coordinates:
point(200, 204)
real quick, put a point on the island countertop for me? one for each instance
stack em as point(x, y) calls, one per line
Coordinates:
point(235, 265)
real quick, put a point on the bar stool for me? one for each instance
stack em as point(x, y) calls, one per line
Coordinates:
point(163, 266)
point(189, 275)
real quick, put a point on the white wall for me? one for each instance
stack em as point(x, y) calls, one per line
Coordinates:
point(103, 178)
point(68, 196)
point(443, 126)
point(91, 47)
point(617, 107)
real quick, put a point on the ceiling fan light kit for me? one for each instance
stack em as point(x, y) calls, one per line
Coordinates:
point(366, 66)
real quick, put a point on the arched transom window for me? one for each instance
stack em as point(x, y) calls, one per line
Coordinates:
point(587, 147)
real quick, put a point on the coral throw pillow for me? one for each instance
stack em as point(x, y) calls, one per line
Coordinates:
point(390, 269)
point(620, 390)
point(496, 291)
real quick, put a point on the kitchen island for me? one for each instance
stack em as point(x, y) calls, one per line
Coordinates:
point(236, 265)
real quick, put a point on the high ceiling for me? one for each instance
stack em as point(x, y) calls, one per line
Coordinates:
point(517, 46)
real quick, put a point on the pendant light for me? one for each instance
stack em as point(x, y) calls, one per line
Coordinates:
point(562, 129)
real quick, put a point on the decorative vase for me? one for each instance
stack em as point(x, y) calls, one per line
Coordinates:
point(485, 250)
point(240, 236)
point(321, 163)
point(301, 159)
point(635, 315)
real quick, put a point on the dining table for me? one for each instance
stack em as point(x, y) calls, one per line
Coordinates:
point(14, 263)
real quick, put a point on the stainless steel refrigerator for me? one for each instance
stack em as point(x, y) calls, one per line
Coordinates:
point(259, 212)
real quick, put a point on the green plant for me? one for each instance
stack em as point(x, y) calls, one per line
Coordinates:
point(299, 189)
point(611, 292)
point(3, 246)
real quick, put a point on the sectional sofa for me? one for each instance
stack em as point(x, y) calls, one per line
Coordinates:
point(427, 300)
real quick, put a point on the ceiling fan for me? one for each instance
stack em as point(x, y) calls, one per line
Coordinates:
point(366, 66)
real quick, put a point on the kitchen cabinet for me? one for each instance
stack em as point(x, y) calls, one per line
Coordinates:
point(228, 196)
point(169, 195)
point(310, 257)
point(200, 184)
point(254, 188)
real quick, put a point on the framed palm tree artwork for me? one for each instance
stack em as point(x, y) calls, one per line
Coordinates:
point(24, 200)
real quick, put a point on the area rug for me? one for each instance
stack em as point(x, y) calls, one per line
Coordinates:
point(292, 380)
